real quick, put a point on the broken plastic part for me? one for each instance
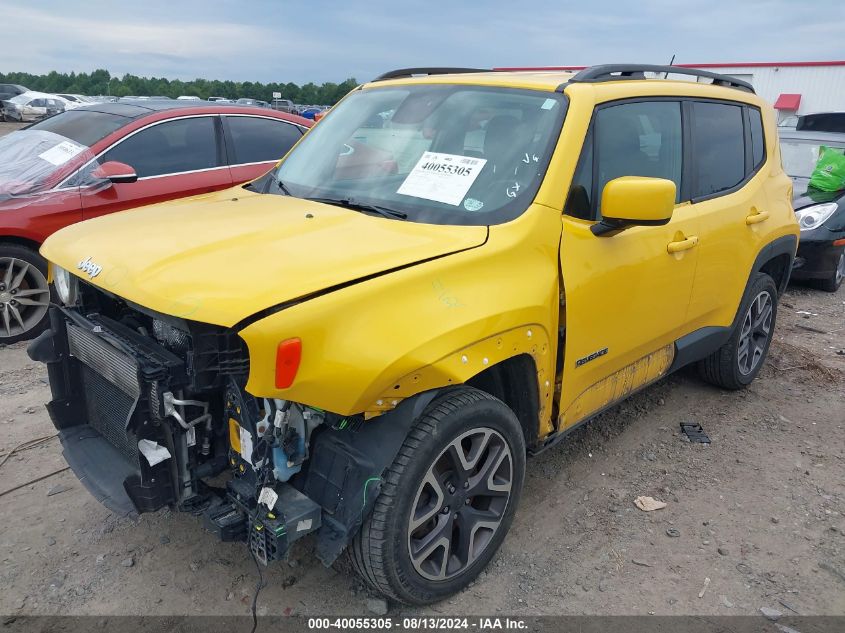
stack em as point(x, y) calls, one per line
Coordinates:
point(694, 432)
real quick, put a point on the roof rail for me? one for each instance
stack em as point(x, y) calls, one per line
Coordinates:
point(410, 72)
point(616, 72)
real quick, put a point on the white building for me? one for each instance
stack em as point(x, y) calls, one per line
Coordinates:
point(792, 87)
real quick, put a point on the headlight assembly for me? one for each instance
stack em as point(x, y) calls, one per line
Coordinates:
point(67, 285)
point(812, 217)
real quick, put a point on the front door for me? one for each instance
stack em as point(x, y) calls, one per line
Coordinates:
point(173, 159)
point(626, 294)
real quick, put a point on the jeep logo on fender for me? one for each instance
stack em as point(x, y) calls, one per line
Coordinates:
point(89, 267)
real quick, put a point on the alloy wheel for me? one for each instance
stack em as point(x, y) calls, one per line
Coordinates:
point(24, 296)
point(840, 269)
point(460, 504)
point(755, 332)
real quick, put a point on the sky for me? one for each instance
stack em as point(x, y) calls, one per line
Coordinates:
point(332, 40)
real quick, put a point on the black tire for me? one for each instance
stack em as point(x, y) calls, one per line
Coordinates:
point(725, 367)
point(381, 551)
point(35, 318)
point(834, 282)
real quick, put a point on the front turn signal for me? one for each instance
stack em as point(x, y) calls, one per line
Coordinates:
point(288, 355)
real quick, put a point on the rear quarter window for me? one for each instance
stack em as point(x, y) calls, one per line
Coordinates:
point(758, 145)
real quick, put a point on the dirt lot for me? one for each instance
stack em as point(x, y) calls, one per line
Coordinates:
point(6, 127)
point(759, 512)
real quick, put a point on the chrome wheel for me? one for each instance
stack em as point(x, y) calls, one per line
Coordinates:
point(840, 269)
point(755, 332)
point(460, 504)
point(24, 296)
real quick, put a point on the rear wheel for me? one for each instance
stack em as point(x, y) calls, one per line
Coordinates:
point(737, 362)
point(832, 283)
point(447, 502)
point(24, 293)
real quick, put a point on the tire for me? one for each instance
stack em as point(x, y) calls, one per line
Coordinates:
point(24, 293)
point(833, 283)
point(490, 439)
point(736, 364)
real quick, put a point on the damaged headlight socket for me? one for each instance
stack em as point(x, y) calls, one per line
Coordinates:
point(813, 217)
point(67, 285)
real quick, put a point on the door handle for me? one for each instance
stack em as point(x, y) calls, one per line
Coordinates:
point(754, 218)
point(682, 245)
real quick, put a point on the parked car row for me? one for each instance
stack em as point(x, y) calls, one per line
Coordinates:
point(18, 103)
point(102, 158)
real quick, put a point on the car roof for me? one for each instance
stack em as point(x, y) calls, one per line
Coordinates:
point(536, 80)
point(555, 80)
point(34, 94)
point(812, 136)
point(136, 109)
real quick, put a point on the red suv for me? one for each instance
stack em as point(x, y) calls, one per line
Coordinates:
point(108, 157)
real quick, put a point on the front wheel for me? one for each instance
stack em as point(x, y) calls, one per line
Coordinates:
point(447, 502)
point(737, 362)
point(24, 293)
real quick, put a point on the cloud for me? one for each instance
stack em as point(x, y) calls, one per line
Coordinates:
point(330, 40)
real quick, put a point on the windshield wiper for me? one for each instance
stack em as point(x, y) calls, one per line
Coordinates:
point(346, 203)
point(283, 187)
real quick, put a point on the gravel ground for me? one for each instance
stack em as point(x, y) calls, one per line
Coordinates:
point(759, 512)
point(6, 127)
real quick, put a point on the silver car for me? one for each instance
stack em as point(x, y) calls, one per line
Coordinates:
point(31, 107)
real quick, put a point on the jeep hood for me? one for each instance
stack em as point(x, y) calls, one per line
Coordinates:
point(222, 257)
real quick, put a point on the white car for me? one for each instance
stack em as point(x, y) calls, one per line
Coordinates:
point(74, 101)
point(188, 98)
point(32, 106)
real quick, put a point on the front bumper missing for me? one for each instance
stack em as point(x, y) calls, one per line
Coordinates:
point(101, 395)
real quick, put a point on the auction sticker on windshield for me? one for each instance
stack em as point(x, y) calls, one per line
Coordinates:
point(443, 178)
point(61, 153)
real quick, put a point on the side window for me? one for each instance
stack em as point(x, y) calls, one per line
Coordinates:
point(36, 103)
point(169, 148)
point(758, 145)
point(642, 138)
point(257, 140)
point(719, 146)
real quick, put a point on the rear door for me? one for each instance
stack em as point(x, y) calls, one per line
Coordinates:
point(173, 159)
point(626, 295)
point(255, 143)
point(729, 198)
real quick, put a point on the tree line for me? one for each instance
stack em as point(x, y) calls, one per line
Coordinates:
point(101, 82)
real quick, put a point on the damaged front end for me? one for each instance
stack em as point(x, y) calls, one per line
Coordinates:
point(152, 412)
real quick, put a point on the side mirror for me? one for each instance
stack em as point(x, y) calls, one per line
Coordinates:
point(115, 172)
point(635, 201)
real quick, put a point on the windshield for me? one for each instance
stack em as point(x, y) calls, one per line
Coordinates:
point(85, 127)
point(442, 154)
point(800, 157)
point(33, 160)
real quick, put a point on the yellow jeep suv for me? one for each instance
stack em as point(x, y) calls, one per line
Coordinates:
point(451, 271)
